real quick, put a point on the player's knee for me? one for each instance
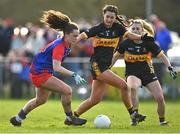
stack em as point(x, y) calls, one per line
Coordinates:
point(68, 90)
point(160, 99)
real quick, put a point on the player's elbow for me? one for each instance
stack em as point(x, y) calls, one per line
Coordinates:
point(56, 69)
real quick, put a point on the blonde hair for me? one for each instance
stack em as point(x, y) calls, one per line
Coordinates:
point(147, 27)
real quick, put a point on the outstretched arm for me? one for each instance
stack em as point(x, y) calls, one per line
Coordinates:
point(65, 72)
point(81, 36)
point(133, 36)
point(60, 69)
point(166, 61)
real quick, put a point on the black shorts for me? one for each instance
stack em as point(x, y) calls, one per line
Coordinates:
point(145, 77)
point(97, 68)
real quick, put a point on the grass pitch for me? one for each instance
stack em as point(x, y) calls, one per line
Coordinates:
point(49, 118)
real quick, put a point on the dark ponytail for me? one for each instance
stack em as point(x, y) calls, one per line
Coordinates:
point(122, 19)
point(119, 18)
point(58, 21)
point(110, 8)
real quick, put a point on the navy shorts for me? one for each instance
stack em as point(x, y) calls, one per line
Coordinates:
point(145, 77)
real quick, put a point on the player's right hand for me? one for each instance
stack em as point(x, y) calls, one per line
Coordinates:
point(78, 79)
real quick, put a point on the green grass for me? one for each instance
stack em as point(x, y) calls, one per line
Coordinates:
point(49, 118)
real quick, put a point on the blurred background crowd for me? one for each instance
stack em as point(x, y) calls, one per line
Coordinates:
point(21, 39)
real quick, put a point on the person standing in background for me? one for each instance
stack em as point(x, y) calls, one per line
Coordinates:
point(163, 37)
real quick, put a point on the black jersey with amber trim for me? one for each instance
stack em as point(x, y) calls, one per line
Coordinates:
point(139, 56)
point(105, 40)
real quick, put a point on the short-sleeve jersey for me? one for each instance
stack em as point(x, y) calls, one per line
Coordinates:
point(42, 62)
point(139, 56)
point(105, 40)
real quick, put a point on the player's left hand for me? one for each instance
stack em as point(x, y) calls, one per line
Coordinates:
point(172, 72)
point(147, 38)
point(78, 79)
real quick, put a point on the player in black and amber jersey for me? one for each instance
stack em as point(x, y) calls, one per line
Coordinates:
point(106, 37)
point(139, 70)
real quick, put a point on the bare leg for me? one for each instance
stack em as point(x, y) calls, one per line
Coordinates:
point(112, 79)
point(134, 83)
point(66, 103)
point(41, 97)
point(98, 89)
point(156, 90)
point(42, 94)
point(56, 85)
point(62, 88)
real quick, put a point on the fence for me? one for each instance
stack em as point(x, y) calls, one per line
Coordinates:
point(14, 81)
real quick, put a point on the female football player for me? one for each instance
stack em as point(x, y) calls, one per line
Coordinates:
point(47, 61)
point(106, 36)
point(139, 69)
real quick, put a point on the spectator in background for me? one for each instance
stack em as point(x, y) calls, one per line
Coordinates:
point(6, 32)
point(155, 21)
point(1, 59)
point(35, 40)
point(163, 37)
point(49, 34)
point(15, 68)
point(162, 34)
point(17, 43)
point(26, 60)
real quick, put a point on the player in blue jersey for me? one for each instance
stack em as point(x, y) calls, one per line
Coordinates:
point(47, 61)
